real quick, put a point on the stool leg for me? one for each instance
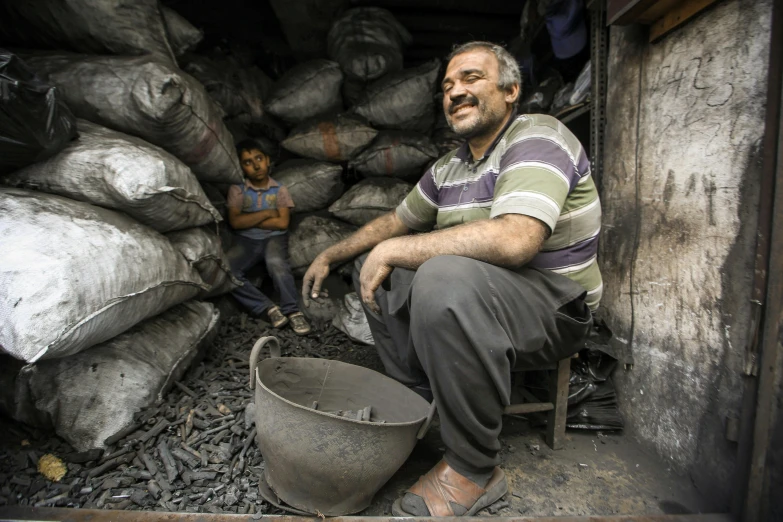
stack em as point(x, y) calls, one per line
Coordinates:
point(558, 394)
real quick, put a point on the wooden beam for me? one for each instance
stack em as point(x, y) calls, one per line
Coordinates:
point(501, 7)
point(528, 407)
point(624, 12)
point(677, 16)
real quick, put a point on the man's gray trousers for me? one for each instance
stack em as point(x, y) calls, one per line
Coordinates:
point(463, 326)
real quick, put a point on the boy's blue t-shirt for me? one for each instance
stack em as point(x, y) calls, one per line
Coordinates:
point(247, 198)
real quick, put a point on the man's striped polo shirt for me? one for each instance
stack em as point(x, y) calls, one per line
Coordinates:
point(536, 167)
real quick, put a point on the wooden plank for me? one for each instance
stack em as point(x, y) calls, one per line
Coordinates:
point(624, 12)
point(528, 407)
point(501, 7)
point(558, 393)
point(656, 11)
point(677, 16)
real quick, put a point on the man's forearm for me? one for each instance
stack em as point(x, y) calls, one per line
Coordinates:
point(509, 241)
point(376, 231)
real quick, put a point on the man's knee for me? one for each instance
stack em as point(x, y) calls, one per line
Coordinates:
point(444, 282)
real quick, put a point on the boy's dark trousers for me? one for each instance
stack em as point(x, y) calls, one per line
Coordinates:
point(247, 253)
point(462, 326)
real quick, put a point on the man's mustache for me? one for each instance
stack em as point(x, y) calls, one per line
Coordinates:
point(462, 100)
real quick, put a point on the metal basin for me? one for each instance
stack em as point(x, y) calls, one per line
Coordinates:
point(320, 463)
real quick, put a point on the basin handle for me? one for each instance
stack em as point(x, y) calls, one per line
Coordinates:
point(426, 426)
point(274, 350)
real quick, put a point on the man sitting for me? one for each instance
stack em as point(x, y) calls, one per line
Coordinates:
point(505, 281)
point(259, 211)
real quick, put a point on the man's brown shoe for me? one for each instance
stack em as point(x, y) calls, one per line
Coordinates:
point(299, 323)
point(276, 317)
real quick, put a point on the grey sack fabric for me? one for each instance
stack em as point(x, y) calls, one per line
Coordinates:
point(148, 99)
point(73, 275)
point(403, 100)
point(307, 90)
point(352, 321)
point(329, 139)
point(240, 91)
point(121, 172)
point(370, 199)
point(400, 154)
point(128, 27)
point(311, 236)
point(313, 185)
point(367, 42)
point(202, 248)
point(183, 36)
point(92, 395)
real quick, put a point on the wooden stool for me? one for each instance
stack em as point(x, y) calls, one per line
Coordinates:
point(558, 405)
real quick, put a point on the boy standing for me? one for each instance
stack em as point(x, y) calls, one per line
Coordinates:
point(259, 211)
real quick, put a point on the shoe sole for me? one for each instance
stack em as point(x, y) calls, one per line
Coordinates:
point(494, 493)
point(280, 324)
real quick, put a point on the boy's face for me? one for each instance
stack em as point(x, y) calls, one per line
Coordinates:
point(255, 165)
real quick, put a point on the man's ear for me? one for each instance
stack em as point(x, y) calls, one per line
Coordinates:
point(513, 93)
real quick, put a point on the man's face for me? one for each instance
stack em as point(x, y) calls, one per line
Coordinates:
point(472, 101)
point(255, 164)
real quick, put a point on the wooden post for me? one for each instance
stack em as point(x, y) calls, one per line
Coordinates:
point(558, 395)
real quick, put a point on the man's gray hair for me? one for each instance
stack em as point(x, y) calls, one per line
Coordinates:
point(507, 66)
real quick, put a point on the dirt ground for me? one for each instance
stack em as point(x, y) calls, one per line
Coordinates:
point(595, 474)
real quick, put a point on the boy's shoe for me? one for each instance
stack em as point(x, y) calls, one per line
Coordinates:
point(299, 323)
point(276, 317)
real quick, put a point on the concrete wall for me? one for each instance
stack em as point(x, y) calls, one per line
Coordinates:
point(680, 193)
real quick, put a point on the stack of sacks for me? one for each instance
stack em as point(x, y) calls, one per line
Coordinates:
point(92, 293)
point(240, 91)
point(383, 134)
point(367, 42)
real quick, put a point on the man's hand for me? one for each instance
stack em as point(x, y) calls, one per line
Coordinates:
point(314, 278)
point(375, 269)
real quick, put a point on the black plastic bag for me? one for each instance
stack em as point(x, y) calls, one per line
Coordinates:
point(34, 122)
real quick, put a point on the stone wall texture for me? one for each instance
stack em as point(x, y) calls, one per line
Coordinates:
point(685, 118)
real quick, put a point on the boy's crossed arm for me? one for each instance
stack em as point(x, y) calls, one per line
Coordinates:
point(241, 220)
point(279, 222)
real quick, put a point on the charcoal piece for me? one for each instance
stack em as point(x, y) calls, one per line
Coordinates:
point(168, 461)
point(154, 489)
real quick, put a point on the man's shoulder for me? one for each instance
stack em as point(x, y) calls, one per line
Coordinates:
point(445, 160)
point(529, 126)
